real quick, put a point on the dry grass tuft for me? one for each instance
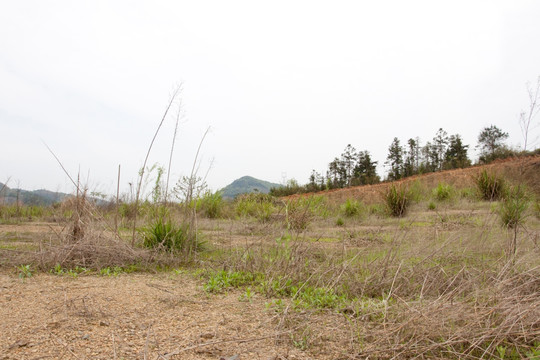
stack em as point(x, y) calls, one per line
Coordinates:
point(507, 313)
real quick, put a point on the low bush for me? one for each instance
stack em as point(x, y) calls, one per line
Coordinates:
point(490, 186)
point(352, 208)
point(259, 206)
point(514, 206)
point(211, 204)
point(164, 234)
point(443, 192)
point(397, 200)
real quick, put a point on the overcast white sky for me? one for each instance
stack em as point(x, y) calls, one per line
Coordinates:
point(284, 85)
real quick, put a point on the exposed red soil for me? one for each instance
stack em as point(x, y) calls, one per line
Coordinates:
point(526, 169)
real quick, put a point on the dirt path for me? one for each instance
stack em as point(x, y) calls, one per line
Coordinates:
point(133, 317)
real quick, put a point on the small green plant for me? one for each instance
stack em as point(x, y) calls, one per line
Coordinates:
point(501, 350)
point(302, 343)
point(514, 206)
point(340, 222)
point(512, 212)
point(222, 280)
point(352, 208)
point(534, 353)
point(443, 192)
point(490, 186)
point(247, 295)
point(114, 271)
point(74, 272)
point(24, 271)
point(318, 298)
point(432, 206)
point(105, 271)
point(165, 234)
point(57, 270)
point(397, 201)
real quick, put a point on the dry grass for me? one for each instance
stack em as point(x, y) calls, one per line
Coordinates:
point(434, 284)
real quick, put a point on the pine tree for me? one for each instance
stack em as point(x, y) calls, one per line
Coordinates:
point(395, 160)
point(365, 171)
point(456, 154)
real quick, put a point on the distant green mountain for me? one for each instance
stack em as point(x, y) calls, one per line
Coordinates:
point(36, 197)
point(247, 184)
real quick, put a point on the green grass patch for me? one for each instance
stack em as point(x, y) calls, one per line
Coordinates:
point(220, 281)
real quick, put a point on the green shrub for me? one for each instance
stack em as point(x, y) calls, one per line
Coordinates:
point(340, 222)
point(513, 207)
point(432, 206)
point(211, 204)
point(259, 206)
point(443, 192)
point(397, 200)
point(165, 234)
point(490, 186)
point(352, 208)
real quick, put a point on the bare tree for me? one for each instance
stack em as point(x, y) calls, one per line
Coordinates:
point(526, 117)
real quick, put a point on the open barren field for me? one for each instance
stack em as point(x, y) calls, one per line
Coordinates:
point(314, 277)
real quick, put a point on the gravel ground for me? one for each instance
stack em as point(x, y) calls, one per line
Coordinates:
point(134, 316)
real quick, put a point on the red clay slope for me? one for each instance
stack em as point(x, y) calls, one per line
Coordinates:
point(523, 170)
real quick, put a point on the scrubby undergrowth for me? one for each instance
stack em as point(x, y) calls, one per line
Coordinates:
point(449, 278)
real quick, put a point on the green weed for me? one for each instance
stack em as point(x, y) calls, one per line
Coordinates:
point(490, 186)
point(108, 271)
point(352, 208)
point(443, 192)
point(24, 271)
point(165, 234)
point(397, 200)
point(223, 280)
point(259, 206)
point(513, 207)
point(211, 204)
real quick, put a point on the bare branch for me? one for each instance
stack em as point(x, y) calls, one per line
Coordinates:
point(171, 101)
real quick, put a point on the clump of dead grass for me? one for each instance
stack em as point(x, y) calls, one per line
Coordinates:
point(506, 313)
point(88, 241)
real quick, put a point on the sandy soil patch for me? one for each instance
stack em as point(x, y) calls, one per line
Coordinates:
point(133, 317)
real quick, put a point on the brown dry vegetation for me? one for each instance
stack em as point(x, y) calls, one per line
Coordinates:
point(437, 283)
